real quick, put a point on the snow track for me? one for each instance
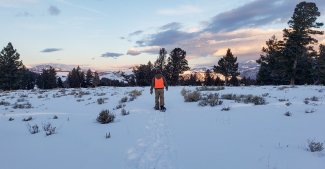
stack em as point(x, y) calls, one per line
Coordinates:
point(154, 150)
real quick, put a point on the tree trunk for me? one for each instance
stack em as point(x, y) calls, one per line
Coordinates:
point(293, 77)
point(226, 80)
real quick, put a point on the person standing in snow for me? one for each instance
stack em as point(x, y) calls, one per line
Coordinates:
point(159, 83)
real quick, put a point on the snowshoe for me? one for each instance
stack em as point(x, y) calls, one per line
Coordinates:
point(163, 108)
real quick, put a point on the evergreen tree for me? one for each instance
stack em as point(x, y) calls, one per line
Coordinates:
point(208, 81)
point(270, 63)
point(9, 67)
point(60, 83)
point(299, 42)
point(176, 65)
point(218, 82)
point(234, 81)
point(89, 78)
point(227, 66)
point(143, 74)
point(321, 65)
point(96, 79)
point(27, 79)
point(76, 78)
point(47, 79)
point(160, 63)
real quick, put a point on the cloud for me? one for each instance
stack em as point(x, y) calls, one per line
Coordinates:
point(242, 29)
point(136, 33)
point(171, 26)
point(54, 11)
point(181, 10)
point(148, 49)
point(49, 50)
point(256, 14)
point(24, 14)
point(16, 3)
point(111, 55)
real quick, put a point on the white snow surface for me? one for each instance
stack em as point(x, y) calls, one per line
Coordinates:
point(186, 136)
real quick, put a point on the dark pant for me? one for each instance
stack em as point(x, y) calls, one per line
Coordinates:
point(159, 97)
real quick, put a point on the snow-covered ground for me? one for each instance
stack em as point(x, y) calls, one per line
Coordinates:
point(186, 136)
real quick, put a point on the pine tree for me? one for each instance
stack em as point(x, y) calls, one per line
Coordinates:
point(143, 74)
point(176, 65)
point(321, 65)
point(227, 66)
point(89, 78)
point(270, 63)
point(27, 79)
point(160, 63)
point(96, 79)
point(208, 81)
point(76, 78)
point(47, 79)
point(60, 83)
point(218, 82)
point(9, 67)
point(299, 42)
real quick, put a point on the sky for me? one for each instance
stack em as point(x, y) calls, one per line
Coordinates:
point(107, 34)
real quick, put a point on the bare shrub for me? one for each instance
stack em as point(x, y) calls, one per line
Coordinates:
point(49, 129)
point(265, 94)
point(184, 91)
point(100, 94)
point(124, 112)
point(257, 100)
point(100, 100)
point(192, 96)
point(124, 99)
point(81, 93)
point(288, 103)
point(119, 106)
point(314, 99)
point(105, 117)
point(22, 106)
point(11, 119)
point(21, 100)
point(283, 100)
point(23, 95)
point(29, 118)
point(4, 103)
point(108, 135)
point(225, 108)
point(211, 88)
point(310, 111)
point(288, 113)
point(314, 146)
point(33, 129)
point(211, 100)
point(134, 94)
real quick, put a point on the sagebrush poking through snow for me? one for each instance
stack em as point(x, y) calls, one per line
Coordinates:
point(29, 118)
point(211, 88)
point(33, 129)
point(124, 112)
point(105, 117)
point(314, 146)
point(49, 129)
point(256, 100)
point(210, 99)
point(192, 96)
point(124, 99)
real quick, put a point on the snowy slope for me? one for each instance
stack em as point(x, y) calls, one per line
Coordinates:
point(186, 136)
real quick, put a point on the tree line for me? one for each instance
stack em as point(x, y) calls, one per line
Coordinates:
point(291, 60)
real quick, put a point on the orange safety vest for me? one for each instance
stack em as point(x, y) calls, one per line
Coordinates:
point(159, 83)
